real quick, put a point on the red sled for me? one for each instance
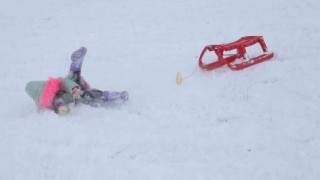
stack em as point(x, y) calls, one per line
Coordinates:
point(240, 46)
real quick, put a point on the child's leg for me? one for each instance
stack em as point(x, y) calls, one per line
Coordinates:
point(76, 64)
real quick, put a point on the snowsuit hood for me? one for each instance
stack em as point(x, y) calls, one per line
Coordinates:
point(43, 92)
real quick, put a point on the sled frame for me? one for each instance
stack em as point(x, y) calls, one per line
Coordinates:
point(239, 45)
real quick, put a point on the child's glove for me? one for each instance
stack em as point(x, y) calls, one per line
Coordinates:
point(76, 93)
point(63, 110)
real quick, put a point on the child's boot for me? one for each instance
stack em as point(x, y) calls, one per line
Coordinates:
point(77, 59)
point(109, 96)
point(76, 64)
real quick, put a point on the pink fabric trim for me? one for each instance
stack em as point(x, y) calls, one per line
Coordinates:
point(50, 89)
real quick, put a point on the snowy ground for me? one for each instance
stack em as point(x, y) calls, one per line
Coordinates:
point(261, 123)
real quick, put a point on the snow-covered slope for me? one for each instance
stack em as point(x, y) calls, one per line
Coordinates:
point(260, 123)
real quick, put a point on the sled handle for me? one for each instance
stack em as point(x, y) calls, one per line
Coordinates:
point(213, 65)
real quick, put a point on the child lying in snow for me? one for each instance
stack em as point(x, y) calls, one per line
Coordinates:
point(56, 93)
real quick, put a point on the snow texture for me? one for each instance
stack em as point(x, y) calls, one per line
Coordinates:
point(261, 123)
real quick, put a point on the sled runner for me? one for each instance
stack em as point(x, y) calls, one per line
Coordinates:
point(241, 53)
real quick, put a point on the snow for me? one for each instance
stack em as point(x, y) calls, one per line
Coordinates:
point(259, 123)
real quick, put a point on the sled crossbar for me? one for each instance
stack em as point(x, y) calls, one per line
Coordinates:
point(240, 46)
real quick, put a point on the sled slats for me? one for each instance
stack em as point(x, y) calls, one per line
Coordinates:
point(251, 62)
